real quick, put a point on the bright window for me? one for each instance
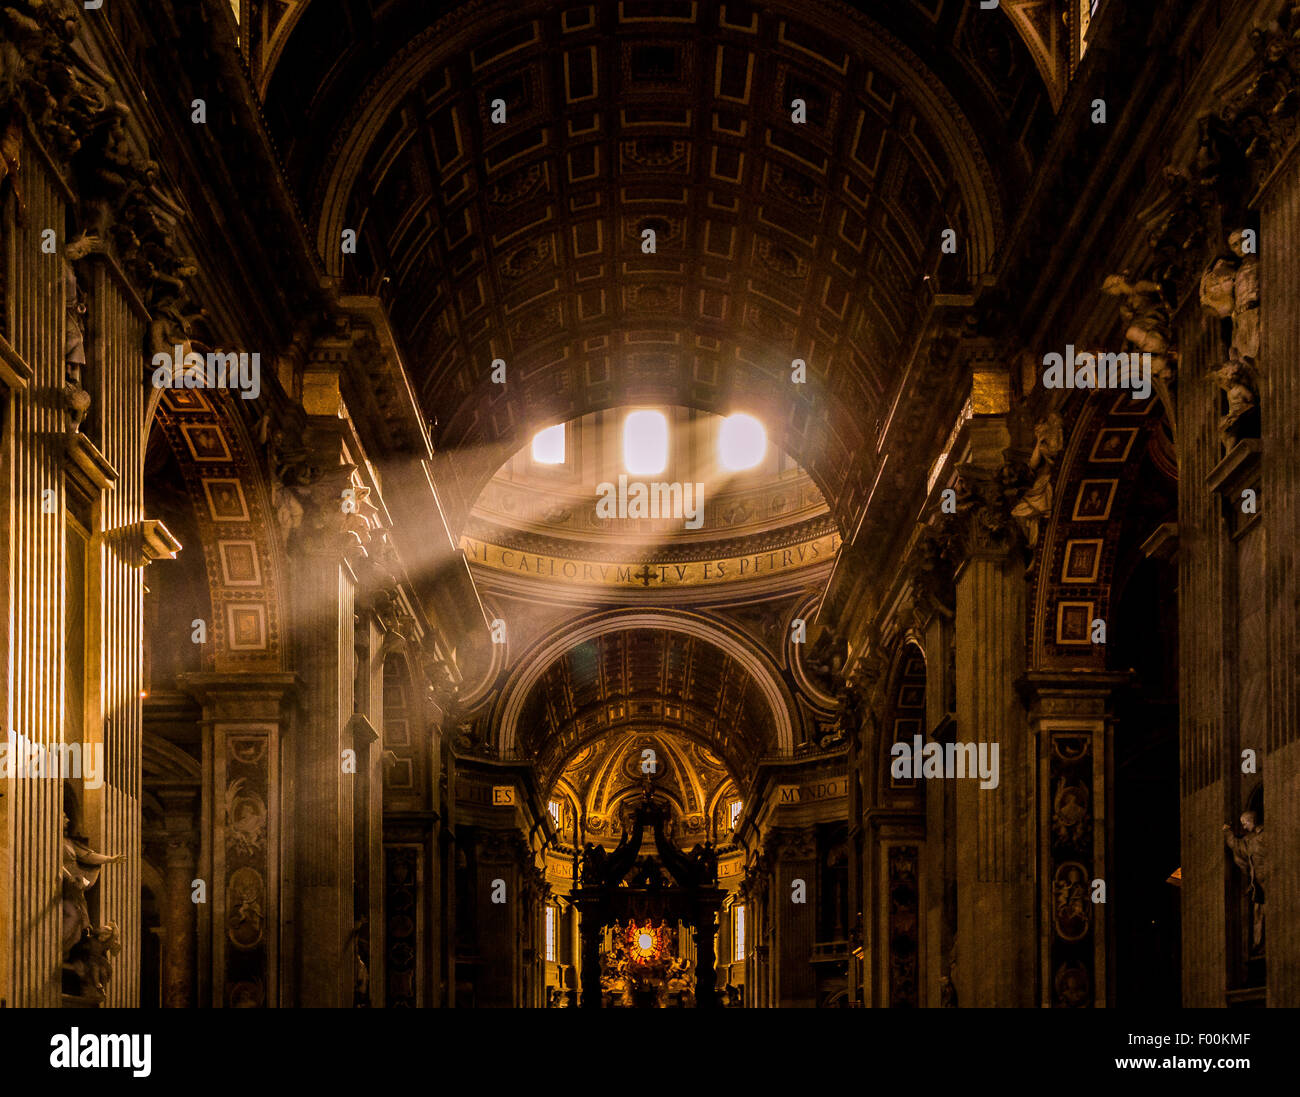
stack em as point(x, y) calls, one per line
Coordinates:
point(645, 442)
point(555, 809)
point(733, 812)
point(550, 934)
point(738, 932)
point(548, 445)
point(742, 442)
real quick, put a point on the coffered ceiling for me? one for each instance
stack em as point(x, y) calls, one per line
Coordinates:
point(775, 240)
point(647, 678)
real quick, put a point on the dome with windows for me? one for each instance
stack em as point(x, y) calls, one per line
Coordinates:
point(696, 498)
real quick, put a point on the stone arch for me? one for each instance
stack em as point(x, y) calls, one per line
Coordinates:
point(534, 662)
point(904, 716)
point(1109, 435)
point(727, 790)
point(232, 507)
point(404, 734)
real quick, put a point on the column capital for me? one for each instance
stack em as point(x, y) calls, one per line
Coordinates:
point(983, 525)
point(1082, 694)
point(792, 843)
point(241, 696)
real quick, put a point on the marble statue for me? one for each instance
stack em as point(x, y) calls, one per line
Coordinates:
point(87, 948)
point(1036, 504)
point(1250, 852)
point(1146, 320)
point(74, 345)
point(1230, 288)
point(1245, 301)
point(1242, 417)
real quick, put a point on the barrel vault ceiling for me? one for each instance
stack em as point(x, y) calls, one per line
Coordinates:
point(651, 678)
point(774, 240)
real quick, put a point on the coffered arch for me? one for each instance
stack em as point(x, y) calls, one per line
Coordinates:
point(242, 554)
point(630, 668)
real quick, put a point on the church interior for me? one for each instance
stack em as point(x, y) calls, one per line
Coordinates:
point(650, 503)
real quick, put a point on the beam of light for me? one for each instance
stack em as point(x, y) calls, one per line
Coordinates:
point(742, 442)
point(548, 445)
point(645, 442)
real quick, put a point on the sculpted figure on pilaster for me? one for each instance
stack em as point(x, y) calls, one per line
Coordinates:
point(825, 660)
point(1241, 420)
point(34, 38)
point(984, 523)
point(1230, 289)
point(122, 209)
point(289, 464)
point(756, 877)
point(1035, 505)
point(11, 143)
point(76, 110)
point(851, 704)
point(469, 739)
point(1250, 853)
point(1144, 310)
point(932, 575)
point(320, 505)
point(313, 504)
point(383, 599)
point(865, 690)
point(1261, 116)
point(502, 846)
point(75, 396)
point(87, 948)
point(441, 687)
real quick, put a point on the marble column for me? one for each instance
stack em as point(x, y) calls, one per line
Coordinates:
point(1279, 207)
point(939, 850)
point(795, 922)
point(1205, 567)
point(502, 930)
point(115, 596)
point(323, 586)
point(74, 593)
point(35, 531)
point(995, 832)
point(180, 871)
point(590, 930)
point(706, 976)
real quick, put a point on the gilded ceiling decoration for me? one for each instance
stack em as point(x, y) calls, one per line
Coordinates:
point(606, 779)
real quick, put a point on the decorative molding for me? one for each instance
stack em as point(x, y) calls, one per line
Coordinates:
point(158, 542)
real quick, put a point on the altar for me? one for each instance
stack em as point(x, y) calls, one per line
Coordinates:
point(634, 906)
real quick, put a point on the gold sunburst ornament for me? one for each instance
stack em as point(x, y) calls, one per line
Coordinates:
point(647, 943)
